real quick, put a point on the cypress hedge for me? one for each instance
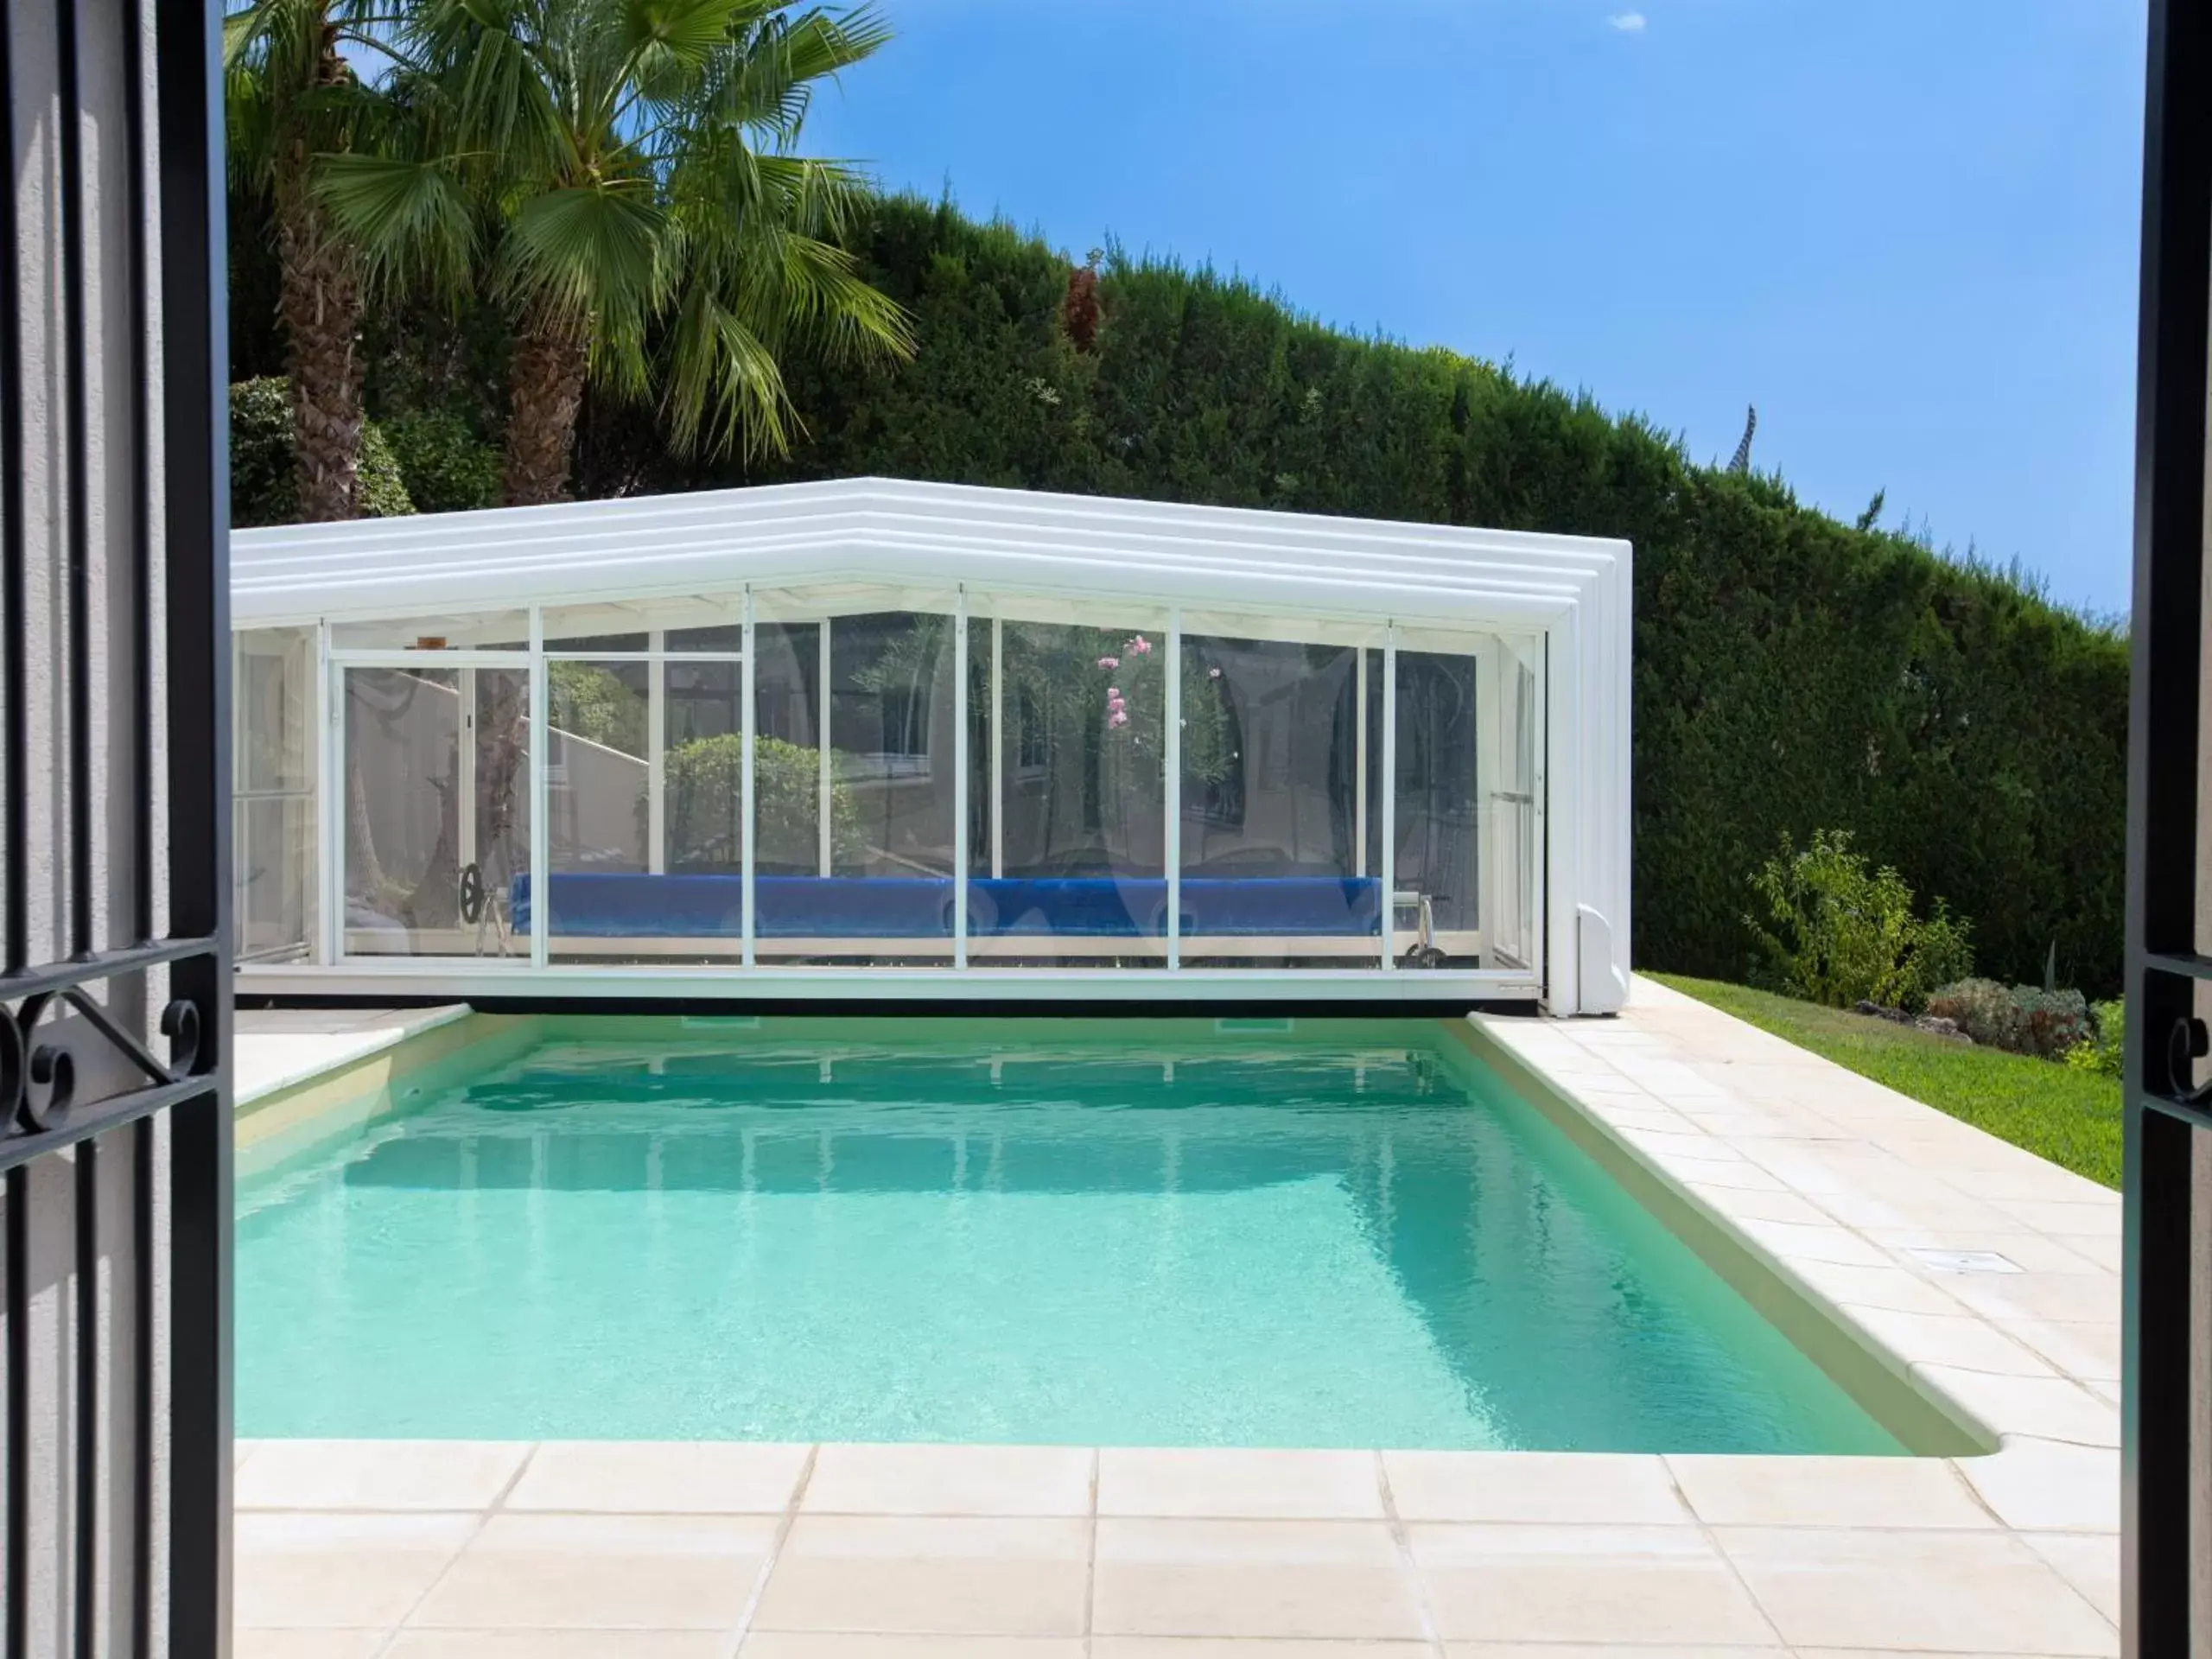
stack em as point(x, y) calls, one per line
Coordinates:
point(1792, 673)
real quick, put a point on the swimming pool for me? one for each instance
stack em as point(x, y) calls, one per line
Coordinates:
point(1175, 1233)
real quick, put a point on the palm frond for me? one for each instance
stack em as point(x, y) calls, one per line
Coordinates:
point(412, 219)
point(590, 254)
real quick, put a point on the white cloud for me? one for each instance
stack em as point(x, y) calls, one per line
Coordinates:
point(1627, 22)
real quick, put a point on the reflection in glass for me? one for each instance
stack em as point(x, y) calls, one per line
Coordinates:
point(1069, 853)
point(1436, 861)
point(421, 813)
point(596, 800)
point(704, 763)
point(787, 769)
point(273, 811)
point(1271, 871)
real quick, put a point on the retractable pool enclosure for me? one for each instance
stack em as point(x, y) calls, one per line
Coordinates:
point(854, 739)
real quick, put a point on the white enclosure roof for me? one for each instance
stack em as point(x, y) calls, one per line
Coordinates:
point(874, 530)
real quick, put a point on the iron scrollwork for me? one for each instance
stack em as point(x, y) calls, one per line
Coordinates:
point(39, 1069)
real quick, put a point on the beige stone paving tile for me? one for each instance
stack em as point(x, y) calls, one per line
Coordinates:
point(2030, 1252)
point(1623, 1090)
point(2089, 1352)
point(2088, 1560)
point(381, 1475)
point(1878, 1212)
point(846, 1645)
point(1837, 1246)
point(952, 1575)
point(1679, 1083)
point(1816, 1167)
point(2013, 1176)
point(1770, 1121)
point(1820, 1491)
point(950, 1480)
point(1896, 1287)
point(2045, 1408)
point(2099, 1249)
point(1936, 1590)
point(1779, 1204)
point(298, 1571)
point(1783, 1081)
point(2047, 1484)
point(1641, 1115)
point(2068, 1298)
point(1957, 1339)
point(1234, 1646)
point(1233, 1484)
point(559, 1644)
point(1738, 1174)
point(1303, 1579)
point(308, 1644)
point(2048, 1216)
point(1593, 1487)
point(659, 1478)
point(602, 1571)
point(1584, 1583)
point(1606, 1651)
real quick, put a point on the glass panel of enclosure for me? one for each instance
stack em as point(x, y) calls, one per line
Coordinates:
point(273, 799)
point(1274, 874)
point(1068, 792)
point(486, 630)
point(1342, 799)
point(857, 779)
point(421, 875)
point(644, 785)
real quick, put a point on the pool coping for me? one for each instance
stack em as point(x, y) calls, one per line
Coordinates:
point(1871, 1208)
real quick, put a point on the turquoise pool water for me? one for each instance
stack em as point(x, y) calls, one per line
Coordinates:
point(1344, 1234)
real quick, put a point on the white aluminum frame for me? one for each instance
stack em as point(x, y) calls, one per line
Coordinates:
point(1574, 593)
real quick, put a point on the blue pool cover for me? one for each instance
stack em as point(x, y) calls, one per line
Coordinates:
point(920, 907)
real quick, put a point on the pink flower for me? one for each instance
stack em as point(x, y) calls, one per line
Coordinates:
point(1109, 662)
point(1113, 694)
point(1141, 644)
point(1117, 718)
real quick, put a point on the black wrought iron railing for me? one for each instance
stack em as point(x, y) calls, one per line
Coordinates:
point(2166, 1390)
point(115, 1128)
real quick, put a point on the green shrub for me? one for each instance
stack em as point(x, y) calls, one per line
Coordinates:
point(446, 468)
point(704, 780)
point(2100, 1051)
point(1837, 932)
point(264, 489)
point(593, 702)
point(2024, 1019)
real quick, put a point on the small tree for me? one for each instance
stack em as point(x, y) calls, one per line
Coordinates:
point(1837, 932)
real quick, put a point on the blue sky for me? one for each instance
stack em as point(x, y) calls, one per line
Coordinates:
point(1906, 229)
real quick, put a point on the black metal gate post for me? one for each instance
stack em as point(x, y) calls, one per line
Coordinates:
point(114, 1121)
point(2168, 1106)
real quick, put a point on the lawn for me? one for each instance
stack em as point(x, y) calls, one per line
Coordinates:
point(2070, 1117)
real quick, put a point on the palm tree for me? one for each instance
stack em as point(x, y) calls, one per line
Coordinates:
point(292, 96)
point(652, 229)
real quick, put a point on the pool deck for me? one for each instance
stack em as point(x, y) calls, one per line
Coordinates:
point(1989, 1277)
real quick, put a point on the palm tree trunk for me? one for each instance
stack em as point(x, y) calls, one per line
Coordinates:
point(319, 304)
point(545, 388)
